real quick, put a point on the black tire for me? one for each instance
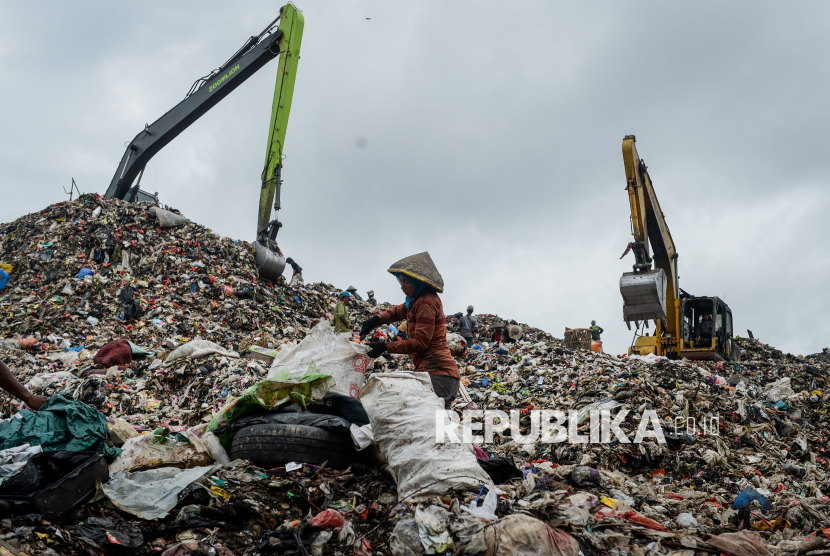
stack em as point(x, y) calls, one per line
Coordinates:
point(273, 445)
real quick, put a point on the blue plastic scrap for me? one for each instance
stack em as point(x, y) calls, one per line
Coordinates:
point(746, 497)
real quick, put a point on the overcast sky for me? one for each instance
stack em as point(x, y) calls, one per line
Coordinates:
point(487, 133)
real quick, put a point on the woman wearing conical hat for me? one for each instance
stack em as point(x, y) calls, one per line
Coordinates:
point(425, 324)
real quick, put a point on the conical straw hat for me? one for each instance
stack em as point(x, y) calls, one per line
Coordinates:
point(421, 268)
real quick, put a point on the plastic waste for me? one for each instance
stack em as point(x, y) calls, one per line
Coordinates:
point(742, 543)
point(329, 519)
point(402, 410)
point(522, 535)
point(406, 538)
point(319, 543)
point(147, 452)
point(686, 520)
point(332, 354)
point(153, 493)
point(487, 509)
point(109, 531)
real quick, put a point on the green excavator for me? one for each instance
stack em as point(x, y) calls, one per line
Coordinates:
point(280, 39)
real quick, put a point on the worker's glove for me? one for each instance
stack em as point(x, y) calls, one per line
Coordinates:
point(369, 325)
point(377, 349)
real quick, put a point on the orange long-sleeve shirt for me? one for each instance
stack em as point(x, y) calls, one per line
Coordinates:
point(426, 328)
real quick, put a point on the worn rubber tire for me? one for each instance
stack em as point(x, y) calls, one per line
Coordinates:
point(273, 445)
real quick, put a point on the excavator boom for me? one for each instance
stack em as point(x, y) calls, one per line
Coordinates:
point(686, 326)
point(283, 42)
point(648, 293)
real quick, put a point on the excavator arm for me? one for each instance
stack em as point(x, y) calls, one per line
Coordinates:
point(291, 28)
point(649, 293)
point(284, 42)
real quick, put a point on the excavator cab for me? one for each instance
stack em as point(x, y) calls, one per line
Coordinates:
point(706, 330)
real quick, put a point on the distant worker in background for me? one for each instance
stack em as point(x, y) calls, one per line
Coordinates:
point(371, 299)
point(341, 313)
point(596, 331)
point(353, 290)
point(496, 334)
point(425, 325)
point(297, 277)
point(469, 326)
point(11, 385)
point(511, 332)
point(704, 332)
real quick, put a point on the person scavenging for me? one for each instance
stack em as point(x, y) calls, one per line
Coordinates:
point(468, 326)
point(341, 313)
point(297, 276)
point(371, 298)
point(11, 385)
point(353, 290)
point(426, 330)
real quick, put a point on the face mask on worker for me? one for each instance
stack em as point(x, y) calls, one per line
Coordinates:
point(417, 285)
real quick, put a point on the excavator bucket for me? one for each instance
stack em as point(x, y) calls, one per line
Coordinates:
point(644, 296)
point(269, 263)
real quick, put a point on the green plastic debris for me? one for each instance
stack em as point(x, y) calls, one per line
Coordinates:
point(61, 424)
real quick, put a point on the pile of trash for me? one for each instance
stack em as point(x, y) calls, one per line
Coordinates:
point(200, 410)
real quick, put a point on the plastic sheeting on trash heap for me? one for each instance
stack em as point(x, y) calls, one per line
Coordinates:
point(151, 494)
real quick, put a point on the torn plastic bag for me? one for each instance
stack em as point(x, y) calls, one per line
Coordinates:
point(169, 219)
point(522, 535)
point(402, 409)
point(632, 516)
point(406, 539)
point(106, 531)
point(742, 543)
point(362, 436)
point(153, 493)
point(61, 424)
point(142, 452)
point(487, 509)
point(195, 349)
point(331, 354)
point(501, 470)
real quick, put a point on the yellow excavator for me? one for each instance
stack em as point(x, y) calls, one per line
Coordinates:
point(686, 326)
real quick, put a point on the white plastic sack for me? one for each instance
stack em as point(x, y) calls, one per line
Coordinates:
point(152, 494)
point(196, 349)
point(402, 409)
point(779, 390)
point(332, 354)
point(41, 380)
point(64, 357)
point(169, 219)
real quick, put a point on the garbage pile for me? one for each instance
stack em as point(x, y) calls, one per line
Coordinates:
point(221, 415)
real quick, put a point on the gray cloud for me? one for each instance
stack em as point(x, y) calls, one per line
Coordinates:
point(492, 139)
